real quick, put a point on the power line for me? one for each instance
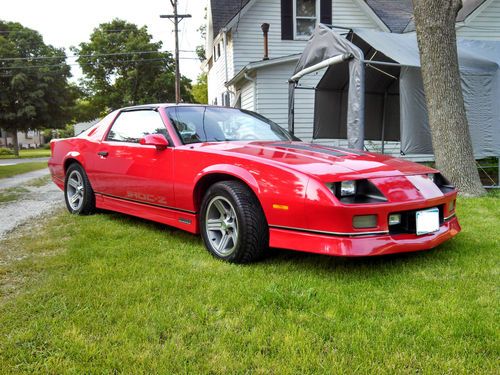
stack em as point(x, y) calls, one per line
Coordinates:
point(88, 63)
point(87, 55)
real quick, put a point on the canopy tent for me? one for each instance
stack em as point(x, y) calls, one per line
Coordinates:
point(372, 89)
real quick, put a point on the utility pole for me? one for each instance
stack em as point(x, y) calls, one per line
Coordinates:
point(176, 18)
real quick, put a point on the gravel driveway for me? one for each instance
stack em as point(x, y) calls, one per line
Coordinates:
point(34, 202)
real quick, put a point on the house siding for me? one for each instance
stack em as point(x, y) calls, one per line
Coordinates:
point(217, 74)
point(272, 97)
point(248, 39)
point(485, 25)
point(247, 96)
point(272, 92)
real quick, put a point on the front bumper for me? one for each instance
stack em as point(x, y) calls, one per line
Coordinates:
point(357, 246)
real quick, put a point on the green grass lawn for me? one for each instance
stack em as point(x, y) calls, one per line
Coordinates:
point(12, 170)
point(109, 293)
point(35, 153)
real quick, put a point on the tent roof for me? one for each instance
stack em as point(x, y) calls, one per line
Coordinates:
point(403, 49)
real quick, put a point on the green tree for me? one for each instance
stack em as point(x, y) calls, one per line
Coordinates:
point(202, 30)
point(34, 92)
point(83, 109)
point(122, 66)
point(200, 89)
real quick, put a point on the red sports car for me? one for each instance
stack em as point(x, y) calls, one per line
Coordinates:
point(246, 184)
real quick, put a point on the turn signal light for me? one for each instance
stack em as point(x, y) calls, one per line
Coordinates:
point(451, 206)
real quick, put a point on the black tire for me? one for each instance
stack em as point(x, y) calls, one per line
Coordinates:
point(75, 175)
point(252, 231)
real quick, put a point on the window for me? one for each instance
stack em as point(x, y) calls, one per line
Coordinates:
point(208, 124)
point(131, 126)
point(306, 15)
point(217, 51)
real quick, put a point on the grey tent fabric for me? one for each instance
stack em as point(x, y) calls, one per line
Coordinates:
point(325, 44)
point(392, 95)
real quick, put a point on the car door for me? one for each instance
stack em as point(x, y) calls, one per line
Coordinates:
point(123, 168)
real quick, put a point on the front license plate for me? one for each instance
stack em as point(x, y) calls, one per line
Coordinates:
point(427, 221)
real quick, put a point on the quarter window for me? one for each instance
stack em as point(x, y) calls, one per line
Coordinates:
point(306, 16)
point(134, 125)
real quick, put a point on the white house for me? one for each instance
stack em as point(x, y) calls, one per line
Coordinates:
point(82, 126)
point(240, 75)
point(28, 139)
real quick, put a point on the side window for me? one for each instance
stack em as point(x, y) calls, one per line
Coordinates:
point(189, 123)
point(134, 125)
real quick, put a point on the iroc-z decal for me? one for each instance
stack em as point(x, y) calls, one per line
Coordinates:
point(151, 198)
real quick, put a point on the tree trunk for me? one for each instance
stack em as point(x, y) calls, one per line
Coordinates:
point(436, 36)
point(15, 142)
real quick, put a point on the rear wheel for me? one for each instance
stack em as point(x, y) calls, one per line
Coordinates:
point(232, 223)
point(78, 193)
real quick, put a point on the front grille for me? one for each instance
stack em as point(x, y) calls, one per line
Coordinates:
point(409, 221)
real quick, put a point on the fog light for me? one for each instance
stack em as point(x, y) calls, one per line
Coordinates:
point(451, 206)
point(364, 221)
point(394, 219)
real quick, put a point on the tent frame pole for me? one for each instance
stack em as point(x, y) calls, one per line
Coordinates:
point(375, 62)
point(323, 64)
point(383, 121)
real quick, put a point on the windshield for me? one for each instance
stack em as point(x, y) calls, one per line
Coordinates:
point(217, 124)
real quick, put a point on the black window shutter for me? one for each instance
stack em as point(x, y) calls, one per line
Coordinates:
point(287, 19)
point(326, 12)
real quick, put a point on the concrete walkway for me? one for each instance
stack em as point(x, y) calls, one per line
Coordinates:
point(21, 161)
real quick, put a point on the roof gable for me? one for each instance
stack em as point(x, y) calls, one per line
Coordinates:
point(398, 14)
point(224, 11)
point(395, 14)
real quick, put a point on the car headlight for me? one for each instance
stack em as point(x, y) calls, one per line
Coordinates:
point(342, 188)
point(347, 188)
point(356, 191)
point(441, 182)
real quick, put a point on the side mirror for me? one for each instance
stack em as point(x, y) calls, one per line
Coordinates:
point(157, 140)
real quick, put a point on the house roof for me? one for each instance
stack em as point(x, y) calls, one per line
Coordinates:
point(260, 64)
point(468, 7)
point(224, 11)
point(395, 14)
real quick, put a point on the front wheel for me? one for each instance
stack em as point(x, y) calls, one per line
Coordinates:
point(78, 193)
point(232, 223)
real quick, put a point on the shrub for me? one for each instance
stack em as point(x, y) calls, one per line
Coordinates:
point(6, 151)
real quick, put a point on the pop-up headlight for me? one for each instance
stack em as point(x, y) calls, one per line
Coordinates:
point(356, 191)
point(441, 182)
point(347, 188)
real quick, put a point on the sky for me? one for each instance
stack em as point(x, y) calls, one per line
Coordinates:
point(65, 23)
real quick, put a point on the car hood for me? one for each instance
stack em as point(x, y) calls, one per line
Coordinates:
point(323, 162)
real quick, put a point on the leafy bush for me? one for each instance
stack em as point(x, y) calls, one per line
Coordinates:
point(6, 151)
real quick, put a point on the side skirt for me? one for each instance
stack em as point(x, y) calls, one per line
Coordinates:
point(175, 218)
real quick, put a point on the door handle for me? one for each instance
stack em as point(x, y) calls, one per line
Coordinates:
point(103, 153)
